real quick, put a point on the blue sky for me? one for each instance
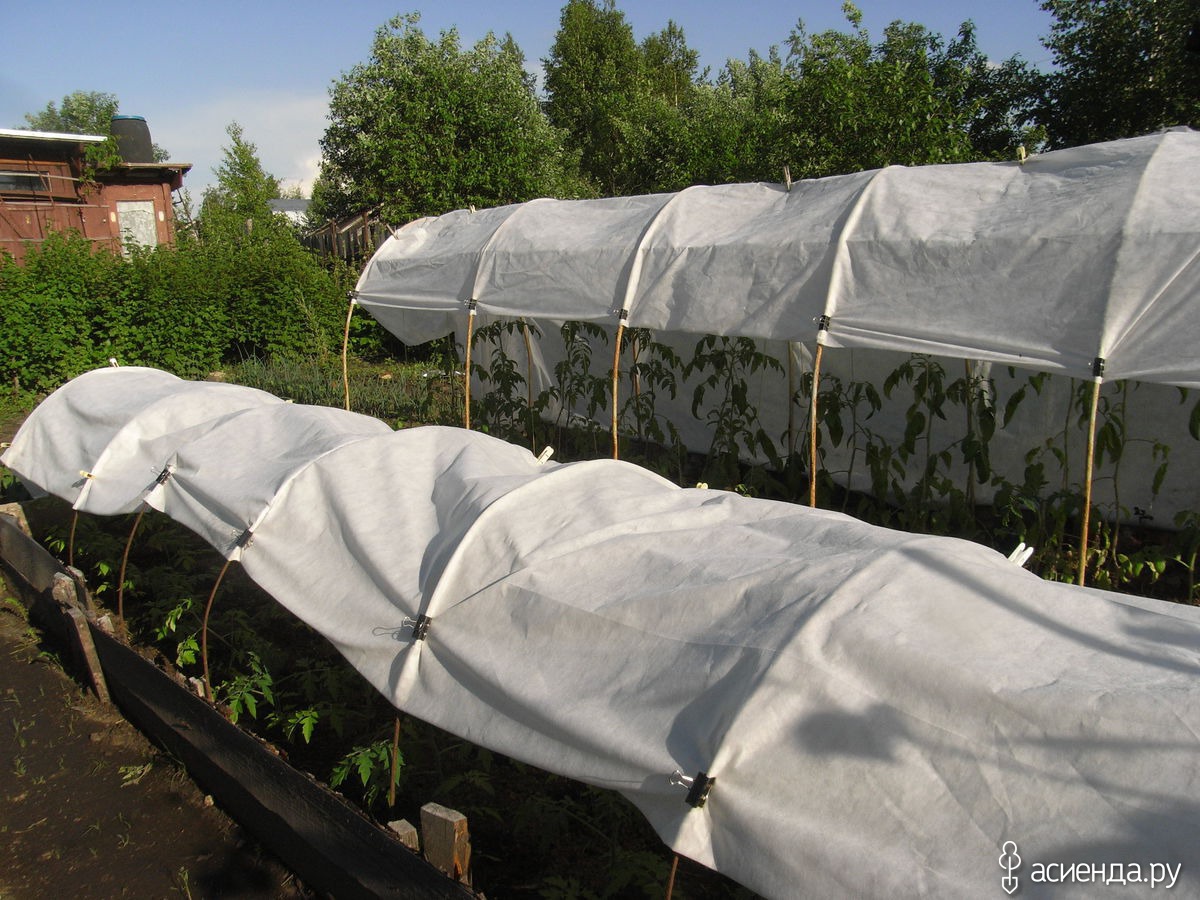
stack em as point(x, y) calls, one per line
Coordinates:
point(190, 69)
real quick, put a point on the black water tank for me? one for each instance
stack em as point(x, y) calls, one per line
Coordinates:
point(133, 139)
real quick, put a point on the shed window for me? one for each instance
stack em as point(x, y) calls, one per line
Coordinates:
point(24, 182)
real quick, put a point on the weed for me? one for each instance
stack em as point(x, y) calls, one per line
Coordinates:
point(182, 882)
point(131, 775)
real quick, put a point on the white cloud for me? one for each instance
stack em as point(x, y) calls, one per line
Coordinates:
point(285, 128)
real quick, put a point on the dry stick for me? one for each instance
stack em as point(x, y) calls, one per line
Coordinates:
point(71, 539)
point(529, 381)
point(1087, 481)
point(395, 762)
point(812, 427)
point(671, 879)
point(125, 562)
point(208, 692)
point(970, 408)
point(616, 375)
point(791, 426)
point(467, 368)
point(345, 352)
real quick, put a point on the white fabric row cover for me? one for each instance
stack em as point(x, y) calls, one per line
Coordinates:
point(1049, 264)
point(880, 713)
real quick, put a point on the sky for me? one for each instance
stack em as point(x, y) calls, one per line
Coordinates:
point(191, 69)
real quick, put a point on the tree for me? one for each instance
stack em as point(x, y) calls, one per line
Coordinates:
point(911, 99)
point(1001, 100)
point(86, 112)
point(276, 296)
point(425, 127)
point(592, 81)
point(656, 129)
point(81, 112)
point(239, 202)
point(1123, 68)
point(862, 106)
point(737, 128)
point(670, 65)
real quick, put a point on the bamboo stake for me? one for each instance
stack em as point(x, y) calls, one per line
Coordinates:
point(671, 878)
point(395, 762)
point(812, 427)
point(208, 691)
point(125, 562)
point(71, 539)
point(970, 410)
point(345, 352)
point(1088, 471)
point(528, 379)
point(467, 367)
point(616, 375)
point(791, 425)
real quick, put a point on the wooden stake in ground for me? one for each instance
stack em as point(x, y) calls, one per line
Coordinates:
point(812, 427)
point(1098, 372)
point(467, 366)
point(124, 564)
point(616, 376)
point(346, 350)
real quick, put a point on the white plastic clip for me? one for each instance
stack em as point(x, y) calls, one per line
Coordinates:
point(112, 361)
point(544, 456)
point(4, 445)
point(787, 178)
point(1020, 555)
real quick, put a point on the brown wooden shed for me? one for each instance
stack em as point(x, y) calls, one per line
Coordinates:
point(43, 189)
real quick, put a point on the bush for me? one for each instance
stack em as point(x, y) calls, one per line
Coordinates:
point(69, 307)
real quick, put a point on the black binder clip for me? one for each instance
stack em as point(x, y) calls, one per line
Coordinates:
point(698, 787)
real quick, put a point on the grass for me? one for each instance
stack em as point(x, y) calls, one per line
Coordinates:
point(419, 392)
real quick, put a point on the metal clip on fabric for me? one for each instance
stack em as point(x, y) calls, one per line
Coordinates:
point(698, 787)
point(419, 625)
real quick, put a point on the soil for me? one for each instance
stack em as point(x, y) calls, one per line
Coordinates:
point(89, 808)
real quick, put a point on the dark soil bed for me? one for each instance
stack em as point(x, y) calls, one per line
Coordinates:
point(89, 808)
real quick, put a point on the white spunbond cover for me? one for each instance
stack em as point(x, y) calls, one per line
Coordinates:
point(1049, 264)
point(264, 447)
point(882, 712)
point(101, 440)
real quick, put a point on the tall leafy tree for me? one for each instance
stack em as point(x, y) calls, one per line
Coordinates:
point(80, 112)
point(1123, 67)
point(593, 79)
point(425, 127)
point(86, 112)
point(239, 203)
point(736, 128)
point(999, 100)
point(910, 99)
point(864, 106)
point(670, 65)
point(656, 127)
point(275, 294)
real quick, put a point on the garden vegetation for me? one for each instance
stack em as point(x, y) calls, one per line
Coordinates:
point(423, 127)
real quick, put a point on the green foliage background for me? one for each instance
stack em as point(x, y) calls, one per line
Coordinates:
point(71, 307)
